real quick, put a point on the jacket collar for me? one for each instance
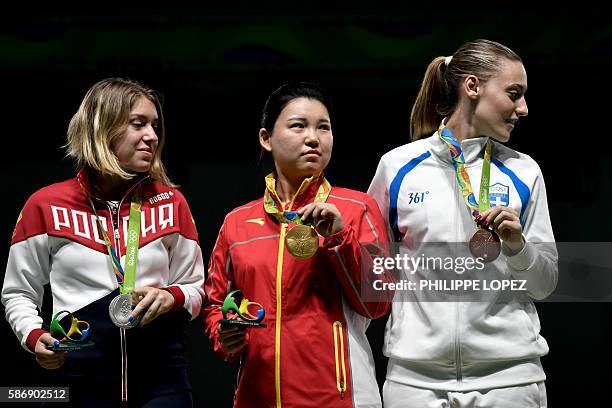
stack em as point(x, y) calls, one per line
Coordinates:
point(85, 182)
point(473, 149)
point(304, 195)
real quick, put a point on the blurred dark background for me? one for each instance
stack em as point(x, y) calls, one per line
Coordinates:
point(215, 68)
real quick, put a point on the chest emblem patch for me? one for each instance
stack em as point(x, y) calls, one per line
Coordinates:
point(499, 194)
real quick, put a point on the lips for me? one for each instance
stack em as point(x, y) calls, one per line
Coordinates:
point(147, 152)
point(312, 151)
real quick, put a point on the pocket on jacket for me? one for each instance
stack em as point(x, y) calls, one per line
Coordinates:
point(339, 358)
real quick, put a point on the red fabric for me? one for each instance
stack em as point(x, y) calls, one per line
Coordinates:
point(164, 211)
point(33, 338)
point(179, 298)
point(245, 257)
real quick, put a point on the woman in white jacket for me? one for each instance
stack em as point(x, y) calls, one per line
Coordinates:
point(455, 183)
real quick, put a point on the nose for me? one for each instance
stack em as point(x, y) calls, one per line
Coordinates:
point(521, 109)
point(312, 138)
point(150, 134)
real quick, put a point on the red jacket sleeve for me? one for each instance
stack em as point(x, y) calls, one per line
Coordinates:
point(352, 251)
point(216, 288)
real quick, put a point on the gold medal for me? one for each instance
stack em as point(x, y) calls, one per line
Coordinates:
point(302, 241)
point(485, 244)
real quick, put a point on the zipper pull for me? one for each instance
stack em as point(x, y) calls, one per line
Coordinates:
point(341, 389)
point(116, 228)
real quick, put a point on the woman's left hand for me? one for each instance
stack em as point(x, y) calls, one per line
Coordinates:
point(152, 301)
point(326, 218)
point(505, 221)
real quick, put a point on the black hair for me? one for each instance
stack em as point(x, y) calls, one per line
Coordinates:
point(278, 99)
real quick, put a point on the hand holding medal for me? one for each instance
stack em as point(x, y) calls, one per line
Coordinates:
point(505, 222)
point(485, 243)
point(317, 218)
point(150, 303)
point(326, 218)
point(302, 240)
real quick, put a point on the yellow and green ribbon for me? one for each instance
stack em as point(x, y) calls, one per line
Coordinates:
point(274, 206)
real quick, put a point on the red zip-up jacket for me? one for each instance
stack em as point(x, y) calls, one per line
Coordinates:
point(313, 352)
point(57, 241)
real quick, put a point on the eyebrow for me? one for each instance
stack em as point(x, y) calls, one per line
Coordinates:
point(301, 118)
point(519, 86)
point(142, 116)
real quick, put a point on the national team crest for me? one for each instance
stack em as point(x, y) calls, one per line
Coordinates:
point(499, 194)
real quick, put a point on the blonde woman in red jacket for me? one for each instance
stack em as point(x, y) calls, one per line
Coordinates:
point(314, 351)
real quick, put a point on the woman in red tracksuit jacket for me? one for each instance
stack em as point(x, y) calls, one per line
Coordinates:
point(314, 351)
point(72, 235)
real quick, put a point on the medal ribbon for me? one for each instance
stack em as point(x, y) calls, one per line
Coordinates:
point(462, 175)
point(126, 277)
point(273, 204)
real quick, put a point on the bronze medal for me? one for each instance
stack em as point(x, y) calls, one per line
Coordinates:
point(485, 244)
point(302, 241)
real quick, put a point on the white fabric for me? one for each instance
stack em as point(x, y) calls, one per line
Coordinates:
point(523, 396)
point(363, 375)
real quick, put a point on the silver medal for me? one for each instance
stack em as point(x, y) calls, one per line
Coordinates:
point(119, 311)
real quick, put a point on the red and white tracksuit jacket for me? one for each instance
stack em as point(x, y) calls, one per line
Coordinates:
point(313, 352)
point(57, 240)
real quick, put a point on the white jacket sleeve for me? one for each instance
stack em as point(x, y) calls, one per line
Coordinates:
point(379, 190)
point(186, 277)
point(27, 272)
point(187, 272)
point(537, 262)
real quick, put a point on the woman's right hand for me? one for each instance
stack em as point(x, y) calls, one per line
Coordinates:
point(231, 338)
point(46, 358)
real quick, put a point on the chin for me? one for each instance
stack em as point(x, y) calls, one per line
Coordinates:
point(140, 169)
point(501, 137)
point(312, 169)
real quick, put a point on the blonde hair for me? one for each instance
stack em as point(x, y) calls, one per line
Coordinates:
point(102, 119)
point(439, 95)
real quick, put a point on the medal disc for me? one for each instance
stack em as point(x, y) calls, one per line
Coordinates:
point(119, 311)
point(485, 244)
point(302, 241)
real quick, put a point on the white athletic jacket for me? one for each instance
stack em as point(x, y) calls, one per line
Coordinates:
point(465, 346)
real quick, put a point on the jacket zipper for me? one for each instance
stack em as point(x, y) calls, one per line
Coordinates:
point(339, 356)
point(116, 221)
point(279, 274)
point(458, 362)
point(458, 371)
